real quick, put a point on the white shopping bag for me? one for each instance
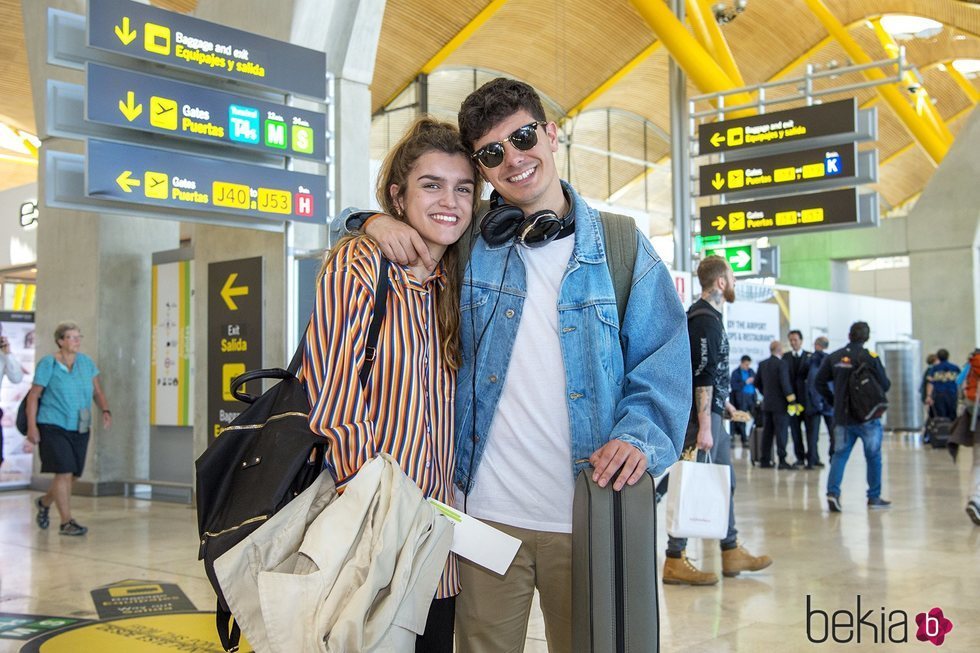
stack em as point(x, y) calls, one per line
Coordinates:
point(697, 500)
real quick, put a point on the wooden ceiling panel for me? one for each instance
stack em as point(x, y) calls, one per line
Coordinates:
point(904, 177)
point(412, 32)
point(16, 174)
point(949, 98)
point(16, 103)
point(181, 6)
point(567, 47)
point(761, 41)
point(949, 12)
point(645, 91)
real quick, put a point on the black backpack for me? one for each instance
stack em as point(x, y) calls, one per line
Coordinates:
point(865, 398)
point(262, 460)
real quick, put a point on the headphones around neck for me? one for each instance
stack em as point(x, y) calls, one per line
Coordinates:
point(504, 221)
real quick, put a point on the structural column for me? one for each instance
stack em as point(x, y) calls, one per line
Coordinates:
point(944, 238)
point(348, 33)
point(94, 269)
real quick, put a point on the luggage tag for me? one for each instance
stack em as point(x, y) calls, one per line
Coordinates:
point(479, 542)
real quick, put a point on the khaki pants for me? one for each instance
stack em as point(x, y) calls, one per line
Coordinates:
point(492, 611)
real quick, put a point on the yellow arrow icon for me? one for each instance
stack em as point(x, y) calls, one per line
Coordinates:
point(719, 223)
point(125, 34)
point(126, 183)
point(717, 139)
point(229, 290)
point(129, 108)
point(718, 181)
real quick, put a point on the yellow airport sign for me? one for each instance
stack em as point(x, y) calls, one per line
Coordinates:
point(805, 166)
point(156, 39)
point(126, 182)
point(156, 185)
point(123, 32)
point(777, 215)
point(130, 109)
point(791, 125)
point(163, 112)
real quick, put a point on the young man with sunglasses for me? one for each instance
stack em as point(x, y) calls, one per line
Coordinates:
point(551, 382)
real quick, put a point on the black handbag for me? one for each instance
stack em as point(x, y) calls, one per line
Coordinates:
point(22, 415)
point(262, 460)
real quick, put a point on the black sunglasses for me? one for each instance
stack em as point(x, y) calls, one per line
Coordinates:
point(524, 138)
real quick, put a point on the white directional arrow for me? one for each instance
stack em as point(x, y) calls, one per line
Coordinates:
point(742, 259)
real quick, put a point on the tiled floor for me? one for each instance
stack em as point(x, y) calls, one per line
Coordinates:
point(921, 554)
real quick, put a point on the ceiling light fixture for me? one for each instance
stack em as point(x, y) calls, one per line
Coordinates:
point(967, 67)
point(903, 27)
point(725, 14)
point(19, 141)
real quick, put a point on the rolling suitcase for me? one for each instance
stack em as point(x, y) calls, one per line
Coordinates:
point(614, 568)
point(938, 430)
point(755, 444)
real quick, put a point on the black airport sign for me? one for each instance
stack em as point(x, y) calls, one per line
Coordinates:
point(123, 98)
point(789, 213)
point(804, 167)
point(792, 125)
point(234, 336)
point(145, 175)
point(144, 32)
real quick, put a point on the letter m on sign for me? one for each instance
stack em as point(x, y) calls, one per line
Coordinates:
point(275, 134)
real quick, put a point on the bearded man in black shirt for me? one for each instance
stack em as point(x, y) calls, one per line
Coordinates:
point(705, 431)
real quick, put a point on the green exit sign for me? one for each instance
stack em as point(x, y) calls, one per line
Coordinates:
point(742, 258)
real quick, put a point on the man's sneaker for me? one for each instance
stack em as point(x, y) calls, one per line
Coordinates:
point(735, 561)
point(680, 571)
point(42, 518)
point(973, 509)
point(72, 528)
point(833, 503)
point(877, 503)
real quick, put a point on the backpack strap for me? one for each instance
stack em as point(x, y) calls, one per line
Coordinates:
point(228, 631)
point(380, 307)
point(698, 313)
point(619, 233)
point(464, 246)
point(377, 318)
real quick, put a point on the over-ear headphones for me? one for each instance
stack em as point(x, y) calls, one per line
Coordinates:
point(504, 221)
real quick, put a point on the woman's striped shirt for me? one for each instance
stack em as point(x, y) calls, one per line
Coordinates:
point(406, 408)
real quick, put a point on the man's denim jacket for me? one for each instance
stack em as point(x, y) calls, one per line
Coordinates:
point(631, 383)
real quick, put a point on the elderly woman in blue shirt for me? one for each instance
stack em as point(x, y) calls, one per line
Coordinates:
point(59, 413)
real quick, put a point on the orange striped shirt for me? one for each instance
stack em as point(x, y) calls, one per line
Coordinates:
point(407, 408)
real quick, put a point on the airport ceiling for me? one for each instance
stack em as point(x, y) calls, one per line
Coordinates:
point(570, 49)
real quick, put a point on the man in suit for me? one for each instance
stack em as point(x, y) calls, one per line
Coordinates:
point(777, 394)
point(798, 360)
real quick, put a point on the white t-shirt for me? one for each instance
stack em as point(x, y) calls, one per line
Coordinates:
point(524, 478)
